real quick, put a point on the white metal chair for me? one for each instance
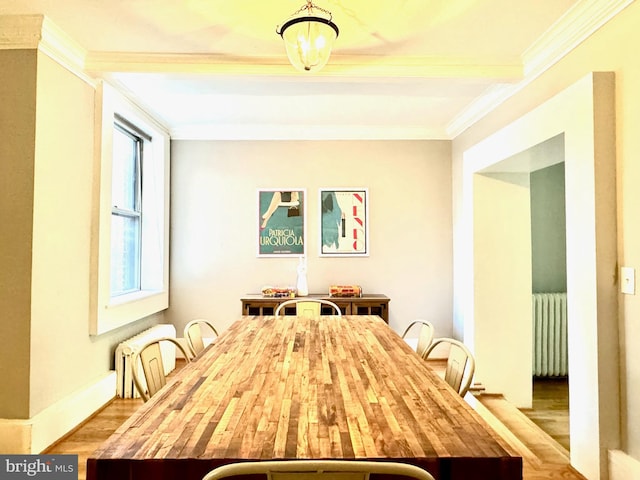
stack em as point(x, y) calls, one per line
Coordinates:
point(150, 357)
point(425, 334)
point(193, 334)
point(308, 307)
point(460, 364)
point(318, 469)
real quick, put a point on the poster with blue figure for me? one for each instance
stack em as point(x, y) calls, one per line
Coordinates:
point(344, 218)
point(281, 222)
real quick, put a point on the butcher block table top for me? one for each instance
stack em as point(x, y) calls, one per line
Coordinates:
point(294, 388)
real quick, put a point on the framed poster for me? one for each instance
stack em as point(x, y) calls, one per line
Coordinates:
point(344, 222)
point(281, 222)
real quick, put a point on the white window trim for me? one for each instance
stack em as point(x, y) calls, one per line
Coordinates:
point(108, 313)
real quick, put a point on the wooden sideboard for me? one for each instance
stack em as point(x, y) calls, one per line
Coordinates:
point(367, 304)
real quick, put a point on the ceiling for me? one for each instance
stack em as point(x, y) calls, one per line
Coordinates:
point(399, 69)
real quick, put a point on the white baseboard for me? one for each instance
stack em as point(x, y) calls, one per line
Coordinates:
point(622, 466)
point(33, 435)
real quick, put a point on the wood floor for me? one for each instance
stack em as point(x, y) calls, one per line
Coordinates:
point(543, 457)
point(550, 409)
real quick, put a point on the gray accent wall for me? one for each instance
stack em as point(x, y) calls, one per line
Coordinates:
point(548, 230)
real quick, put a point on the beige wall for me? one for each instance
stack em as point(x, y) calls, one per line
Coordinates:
point(610, 49)
point(17, 122)
point(214, 221)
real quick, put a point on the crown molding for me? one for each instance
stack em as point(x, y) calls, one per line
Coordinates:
point(578, 23)
point(363, 66)
point(64, 50)
point(569, 31)
point(304, 132)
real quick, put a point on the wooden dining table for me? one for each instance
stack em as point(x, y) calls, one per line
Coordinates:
point(305, 388)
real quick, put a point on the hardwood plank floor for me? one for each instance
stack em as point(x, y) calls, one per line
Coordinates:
point(550, 409)
point(540, 434)
point(90, 435)
point(543, 458)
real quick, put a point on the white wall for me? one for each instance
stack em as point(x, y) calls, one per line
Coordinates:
point(502, 285)
point(214, 224)
point(62, 352)
point(61, 228)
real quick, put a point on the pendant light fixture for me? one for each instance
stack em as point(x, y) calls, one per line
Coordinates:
point(308, 37)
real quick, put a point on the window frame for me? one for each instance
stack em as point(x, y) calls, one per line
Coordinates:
point(106, 312)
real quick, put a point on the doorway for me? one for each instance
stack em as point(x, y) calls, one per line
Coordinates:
point(582, 114)
point(532, 186)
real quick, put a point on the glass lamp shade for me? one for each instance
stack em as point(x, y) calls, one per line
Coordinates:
point(308, 41)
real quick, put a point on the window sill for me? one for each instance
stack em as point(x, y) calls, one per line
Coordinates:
point(129, 308)
point(132, 297)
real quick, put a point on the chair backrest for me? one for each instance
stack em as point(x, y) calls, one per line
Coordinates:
point(425, 334)
point(460, 364)
point(317, 469)
point(150, 356)
point(308, 307)
point(193, 334)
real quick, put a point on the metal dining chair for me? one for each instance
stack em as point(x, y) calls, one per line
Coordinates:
point(193, 334)
point(318, 469)
point(150, 356)
point(460, 364)
point(425, 334)
point(308, 307)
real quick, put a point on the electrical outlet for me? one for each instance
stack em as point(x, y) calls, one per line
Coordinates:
point(628, 280)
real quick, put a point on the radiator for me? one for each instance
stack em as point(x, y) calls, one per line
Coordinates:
point(550, 357)
point(124, 386)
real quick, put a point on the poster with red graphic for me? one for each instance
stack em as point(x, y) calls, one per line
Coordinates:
point(344, 222)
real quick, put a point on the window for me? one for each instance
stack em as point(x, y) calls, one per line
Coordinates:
point(126, 210)
point(130, 251)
